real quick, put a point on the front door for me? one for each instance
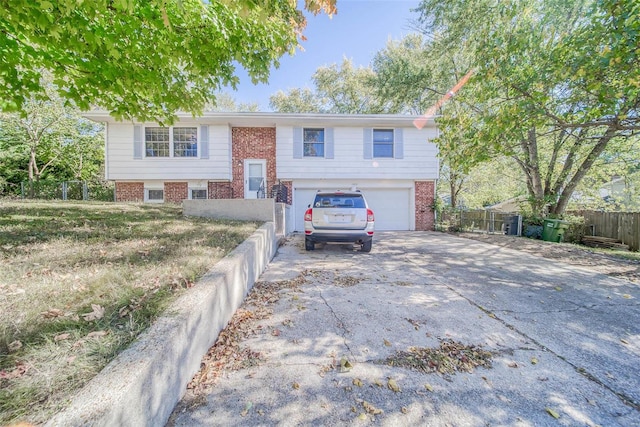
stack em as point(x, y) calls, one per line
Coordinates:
point(255, 180)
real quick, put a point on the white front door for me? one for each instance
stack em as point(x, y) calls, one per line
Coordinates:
point(255, 178)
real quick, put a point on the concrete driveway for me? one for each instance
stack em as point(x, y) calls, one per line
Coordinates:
point(564, 341)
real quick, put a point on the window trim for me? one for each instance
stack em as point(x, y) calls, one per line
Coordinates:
point(392, 143)
point(172, 143)
point(324, 142)
point(206, 192)
point(149, 200)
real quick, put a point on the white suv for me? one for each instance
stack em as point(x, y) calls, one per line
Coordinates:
point(339, 217)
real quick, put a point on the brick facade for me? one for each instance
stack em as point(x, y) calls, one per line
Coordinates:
point(129, 191)
point(175, 192)
point(252, 143)
point(220, 190)
point(425, 217)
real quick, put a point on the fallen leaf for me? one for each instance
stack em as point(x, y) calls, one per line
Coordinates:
point(429, 387)
point(357, 382)
point(513, 365)
point(404, 410)
point(553, 413)
point(623, 341)
point(362, 416)
point(345, 365)
point(534, 361)
point(371, 409)
point(387, 343)
point(52, 313)
point(96, 314)
point(246, 410)
point(627, 296)
point(61, 337)
point(354, 409)
point(493, 316)
point(558, 288)
point(393, 385)
point(275, 332)
point(97, 334)
point(378, 383)
point(15, 346)
point(295, 386)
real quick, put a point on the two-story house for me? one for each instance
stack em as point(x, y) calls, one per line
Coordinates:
point(244, 155)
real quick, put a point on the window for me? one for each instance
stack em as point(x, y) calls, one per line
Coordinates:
point(198, 194)
point(171, 142)
point(313, 142)
point(156, 141)
point(185, 142)
point(155, 195)
point(383, 143)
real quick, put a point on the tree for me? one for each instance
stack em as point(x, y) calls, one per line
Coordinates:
point(556, 82)
point(226, 102)
point(296, 100)
point(340, 89)
point(49, 138)
point(142, 59)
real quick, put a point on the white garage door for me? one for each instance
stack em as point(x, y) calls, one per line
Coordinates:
point(391, 207)
point(301, 199)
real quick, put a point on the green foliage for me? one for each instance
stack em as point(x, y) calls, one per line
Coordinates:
point(554, 85)
point(296, 100)
point(48, 141)
point(227, 103)
point(342, 89)
point(142, 59)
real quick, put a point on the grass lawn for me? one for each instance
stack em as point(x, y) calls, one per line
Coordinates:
point(79, 282)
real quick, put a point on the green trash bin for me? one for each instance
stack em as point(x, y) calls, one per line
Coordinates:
point(553, 230)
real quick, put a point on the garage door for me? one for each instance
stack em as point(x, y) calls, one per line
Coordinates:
point(392, 207)
point(301, 199)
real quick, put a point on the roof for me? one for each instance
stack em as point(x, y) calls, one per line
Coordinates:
point(269, 119)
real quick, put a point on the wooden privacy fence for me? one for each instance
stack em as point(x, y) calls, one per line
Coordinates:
point(623, 226)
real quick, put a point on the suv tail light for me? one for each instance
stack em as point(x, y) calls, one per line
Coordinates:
point(308, 216)
point(369, 215)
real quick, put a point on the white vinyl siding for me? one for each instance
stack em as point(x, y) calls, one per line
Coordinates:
point(419, 160)
point(123, 166)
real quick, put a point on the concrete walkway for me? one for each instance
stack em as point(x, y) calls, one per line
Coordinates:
point(565, 341)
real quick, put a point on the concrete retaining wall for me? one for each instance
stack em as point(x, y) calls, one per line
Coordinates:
point(144, 383)
point(240, 209)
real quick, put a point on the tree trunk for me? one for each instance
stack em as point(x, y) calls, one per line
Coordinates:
point(561, 205)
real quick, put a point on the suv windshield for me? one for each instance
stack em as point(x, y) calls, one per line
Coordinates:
point(339, 201)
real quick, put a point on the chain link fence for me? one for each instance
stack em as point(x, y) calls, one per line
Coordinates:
point(68, 190)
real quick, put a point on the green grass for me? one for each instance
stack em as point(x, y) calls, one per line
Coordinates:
point(59, 260)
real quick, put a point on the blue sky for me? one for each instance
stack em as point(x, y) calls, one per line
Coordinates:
point(358, 31)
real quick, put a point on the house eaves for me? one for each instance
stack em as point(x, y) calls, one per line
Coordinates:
point(268, 119)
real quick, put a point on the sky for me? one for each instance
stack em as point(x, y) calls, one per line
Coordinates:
point(359, 30)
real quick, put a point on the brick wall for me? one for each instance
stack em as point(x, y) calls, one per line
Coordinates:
point(176, 192)
point(220, 190)
point(425, 217)
point(252, 143)
point(129, 191)
point(289, 185)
